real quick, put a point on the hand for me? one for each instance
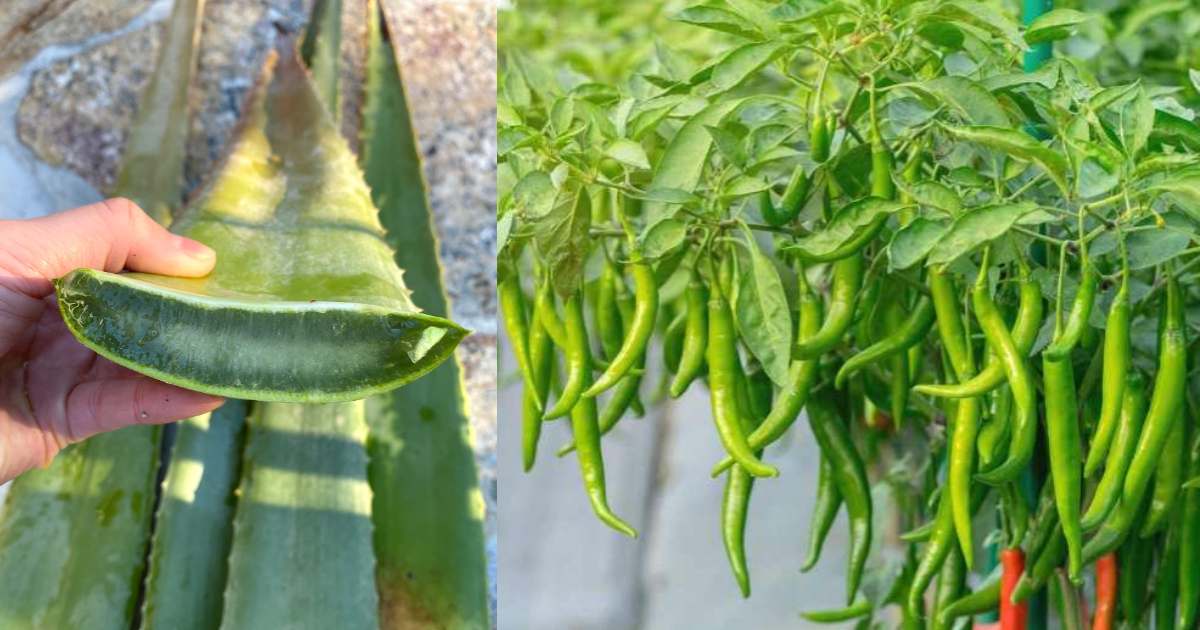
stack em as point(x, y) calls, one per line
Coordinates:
point(53, 390)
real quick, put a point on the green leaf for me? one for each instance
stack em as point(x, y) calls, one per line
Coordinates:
point(301, 272)
point(321, 51)
point(743, 186)
point(1019, 145)
point(1183, 187)
point(304, 509)
point(1137, 121)
point(669, 196)
point(664, 238)
point(534, 195)
point(738, 64)
point(1194, 77)
point(193, 529)
point(1148, 248)
point(729, 145)
point(974, 228)
point(629, 153)
point(562, 114)
point(763, 318)
point(684, 159)
point(932, 194)
point(983, 16)
point(846, 224)
point(914, 241)
point(1054, 25)
point(1171, 128)
point(562, 237)
point(429, 546)
point(966, 97)
point(719, 19)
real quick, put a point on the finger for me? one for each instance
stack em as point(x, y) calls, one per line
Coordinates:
point(111, 235)
point(109, 404)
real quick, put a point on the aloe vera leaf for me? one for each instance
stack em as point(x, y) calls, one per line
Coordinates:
point(428, 510)
point(305, 304)
point(73, 535)
point(301, 554)
point(321, 52)
point(152, 164)
point(193, 528)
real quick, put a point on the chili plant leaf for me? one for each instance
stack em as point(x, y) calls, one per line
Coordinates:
point(742, 62)
point(914, 241)
point(302, 272)
point(976, 227)
point(629, 153)
point(763, 319)
point(719, 18)
point(429, 544)
point(966, 97)
point(561, 238)
point(1148, 248)
point(1019, 145)
point(1054, 25)
point(846, 224)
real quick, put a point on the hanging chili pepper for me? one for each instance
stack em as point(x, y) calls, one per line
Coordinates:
point(1135, 558)
point(961, 466)
point(541, 359)
point(850, 476)
point(1081, 309)
point(1168, 477)
point(824, 512)
point(1044, 564)
point(1189, 544)
point(753, 401)
point(578, 358)
point(1066, 458)
point(847, 280)
point(544, 305)
point(983, 599)
point(790, 204)
point(860, 608)
point(514, 311)
point(1106, 592)
point(908, 333)
point(949, 322)
point(1166, 581)
point(673, 339)
point(691, 361)
point(1013, 616)
point(1129, 425)
point(1116, 370)
point(645, 288)
point(606, 314)
point(950, 583)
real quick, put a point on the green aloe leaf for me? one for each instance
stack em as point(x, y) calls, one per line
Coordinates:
point(428, 510)
point(74, 535)
point(321, 52)
point(305, 303)
point(301, 555)
point(193, 528)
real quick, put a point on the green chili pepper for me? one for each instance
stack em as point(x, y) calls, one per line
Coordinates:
point(646, 309)
point(1129, 425)
point(1136, 557)
point(1063, 447)
point(882, 185)
point(949, 322)
point(861, 608)
point(792, 202)
point(833, 437)
point(1167, 399)
point(1116, 369)
point(544, 305)
point(1081, 309)
point(1024, 333)
point(691, 362)
point(961, 465)
point(735, 501)
point(1168, 477)
point(910, 332)
point(1189, 544)
point(847, 280)
point(607, 315)
point(1166, 582)
point(673, 339)
point(721, 355)
point(578, 358)
point(940, 544)
point(1024, 421)
point(541, 358)
point(801, 375)
point(824, 512)
point(995, 433)
point(512, 307)
point(951, 579)
point(584, 423)
point(818, 135)
point(981, 600)
point(1042, 568)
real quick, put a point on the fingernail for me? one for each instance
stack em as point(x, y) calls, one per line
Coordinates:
point(196, 249)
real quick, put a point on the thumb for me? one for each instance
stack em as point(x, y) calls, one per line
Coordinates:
point(112, 235)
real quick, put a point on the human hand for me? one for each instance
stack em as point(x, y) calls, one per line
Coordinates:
point(53, 390)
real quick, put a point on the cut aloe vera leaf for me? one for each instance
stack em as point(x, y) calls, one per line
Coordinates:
point(305, 304)
point(74, 535)
point(152, 164)
point(194, 526)
point(301, 555)
point(428, 510)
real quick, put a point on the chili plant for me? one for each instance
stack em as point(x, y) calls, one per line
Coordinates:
point(869, 211)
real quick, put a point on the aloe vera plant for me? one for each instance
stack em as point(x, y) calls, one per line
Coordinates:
point(305, 303)
point(428, 511)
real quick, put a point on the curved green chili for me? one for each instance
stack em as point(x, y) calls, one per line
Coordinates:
point(1024, 334)
point(818, 135)
point(1066, 459)
point(949, 322)
point(909, 333)
point(833, 437)
point(1129, 425)
point(607, 315)
point(673, 339)
point(1024, 421)
point(586, 426)
point(1116, 369)
point(1166, 583)
point(578, 358)
point(1041, 569)
point(940, 544)
point(951, 579)
point(544, 306)
point(790, 204)
point(1136, 557)
point(1189, 544)
point(691, 361)
point(645, 288)
point(981, 600)
point(861, 608)
point(801, 376)
point(1168, 477)
point(513, 309)
point(824, 512)
point(735, 502)
point(722, 357)
point(1167, 399)
point(847, 280)
point(541, 358)
point(1081, 309)
point(961, 465)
